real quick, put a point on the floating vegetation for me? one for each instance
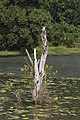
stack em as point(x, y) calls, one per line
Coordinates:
point(69, 78)
point(62, 101)
point(72, 98)
point(7, 75)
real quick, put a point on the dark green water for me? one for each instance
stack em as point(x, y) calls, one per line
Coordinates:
point(62, 95)
point(67, 66)
point(62, 103)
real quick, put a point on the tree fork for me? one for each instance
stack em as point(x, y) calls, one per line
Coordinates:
point(39, 69)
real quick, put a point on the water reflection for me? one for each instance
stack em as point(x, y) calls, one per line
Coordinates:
point(62, 103)
point(67, 66)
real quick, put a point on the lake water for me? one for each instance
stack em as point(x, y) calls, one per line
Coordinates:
point(63, 95)
point(67, 66)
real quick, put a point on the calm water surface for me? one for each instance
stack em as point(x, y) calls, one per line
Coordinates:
point(63, 96)
point(67, 66)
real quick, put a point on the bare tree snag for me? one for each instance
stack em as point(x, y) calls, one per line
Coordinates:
point(39, 69)
point(30, 59)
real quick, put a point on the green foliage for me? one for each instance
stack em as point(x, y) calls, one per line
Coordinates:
point(64, 34)
point(63, 50)
point(49, 71)
point(21, 23)
point(25, 68)
point(9, 53)
point(28, 70)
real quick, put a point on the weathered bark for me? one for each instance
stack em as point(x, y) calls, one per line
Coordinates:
point(30, 59)
point(39, 69)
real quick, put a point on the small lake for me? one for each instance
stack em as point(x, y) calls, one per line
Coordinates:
point(67, 66)
point(63, 95)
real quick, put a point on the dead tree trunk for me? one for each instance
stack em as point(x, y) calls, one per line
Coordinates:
point(39, 69)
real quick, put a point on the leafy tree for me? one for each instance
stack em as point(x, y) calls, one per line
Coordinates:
point(22, 20)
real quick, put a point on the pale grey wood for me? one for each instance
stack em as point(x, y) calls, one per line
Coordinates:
point(39, 67)
point(29, 56)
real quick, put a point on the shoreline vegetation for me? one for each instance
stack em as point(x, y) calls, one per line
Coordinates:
point(13, 75)
point(9, 53)
point(60, 50)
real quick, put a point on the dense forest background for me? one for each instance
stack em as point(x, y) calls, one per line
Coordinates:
point(21, 22)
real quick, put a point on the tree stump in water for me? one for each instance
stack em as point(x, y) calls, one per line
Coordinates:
point(39, 71)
